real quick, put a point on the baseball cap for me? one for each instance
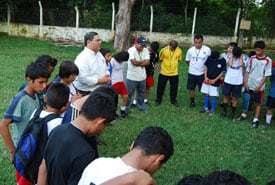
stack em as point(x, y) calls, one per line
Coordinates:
point(142, 41)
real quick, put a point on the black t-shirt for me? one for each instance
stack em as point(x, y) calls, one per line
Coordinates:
point(67, 154)
point(214, 68)
point(154, 57)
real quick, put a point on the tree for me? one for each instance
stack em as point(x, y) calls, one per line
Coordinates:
point(123, 21)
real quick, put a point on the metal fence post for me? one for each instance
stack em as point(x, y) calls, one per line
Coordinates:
point(8, 18)
point(41, 20)
point(151, 22)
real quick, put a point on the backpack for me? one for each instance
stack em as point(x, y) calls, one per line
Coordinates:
point(30, 149)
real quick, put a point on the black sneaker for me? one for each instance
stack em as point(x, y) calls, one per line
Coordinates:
point(231, 117)
point(157, 103)
point(123, 114)
point(241, 118)
point(203, 110)
point(192, 104)
point(266, 125)
point(255, 124)
point(176, 104)
point(223, 115)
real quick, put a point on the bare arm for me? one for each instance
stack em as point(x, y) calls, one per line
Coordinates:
point(5, 132)
point(42, 174)
point(140, 63)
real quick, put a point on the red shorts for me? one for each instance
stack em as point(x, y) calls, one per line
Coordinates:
point(150, 81)
point(120, 88)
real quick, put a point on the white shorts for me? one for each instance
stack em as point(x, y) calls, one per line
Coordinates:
point(210, 90)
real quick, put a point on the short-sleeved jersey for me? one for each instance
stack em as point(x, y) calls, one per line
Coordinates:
point(20, 111)
point(137, 73)
point(272, 86)
point(215, 68)
point(257, 69)
point(170, 61)
point(103, 169)
point(197, 58)
point(66, 155)
point(154, 57)
point(234, 74)
point(117, 71)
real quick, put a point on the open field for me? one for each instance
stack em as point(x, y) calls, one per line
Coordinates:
point(202, 143)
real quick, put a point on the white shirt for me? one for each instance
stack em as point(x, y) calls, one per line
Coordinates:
point(103, 169)
point(137, 73)
point(117, 71)
point(92, 66)
point(234, 74)
point(197, 58)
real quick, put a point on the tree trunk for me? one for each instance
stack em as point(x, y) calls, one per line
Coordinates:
point(123, 21)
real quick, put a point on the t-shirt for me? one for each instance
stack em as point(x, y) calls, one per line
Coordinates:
point(215, 68)
point(154, 57)
point(197, 58)
point(117, 71)
point(137, 73)
point(257, 69)
point(103, 169)
point(272, 87)
point(20, 111)
point(67, 154)
point(234, 74)
point(170, 61)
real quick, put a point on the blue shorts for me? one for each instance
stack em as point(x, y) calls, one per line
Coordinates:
point(234, 90)
point(194, 80)
point(270, 102)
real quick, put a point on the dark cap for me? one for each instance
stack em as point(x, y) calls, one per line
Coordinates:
point(141, 41)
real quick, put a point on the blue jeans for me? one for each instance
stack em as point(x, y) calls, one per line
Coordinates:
point(140, 87)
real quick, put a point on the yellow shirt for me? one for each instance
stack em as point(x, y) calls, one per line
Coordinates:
point(170, 61)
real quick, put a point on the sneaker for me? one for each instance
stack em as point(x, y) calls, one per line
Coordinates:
point(176, 104)
point(210, 113)
point(255, 124)
point(203, 110)
point(192, 104)
point(157, 103)
point(223, 115)
point(266, 125)
point(241, 118)
point(123, 114)
point(231, 117)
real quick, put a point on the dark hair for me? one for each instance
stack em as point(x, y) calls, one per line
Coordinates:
point(89, 36)
point(121, 56)
point(155, 140)
point(191, 180)
point(47, 59)
point(224, 177)
point(99, 105)
point(58, 95)
point(155, 46)
point(104, 51)
point(198, 36)
point(37, 70)
point(67, 68)
point(251, 53)
point(109, 90)
point(215, 54)
point(173, 44)
point(259, 44)
point(232, 44)
point(237, 51)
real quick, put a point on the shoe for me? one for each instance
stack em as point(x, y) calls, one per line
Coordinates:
point(192, 104)
point(123, 114)
point(157, 103)
point(144, 110)
point(117, 117)
point(231, 117)
point(210, 113)
point(223, 115)
point(176, 104)
point(241, 118)
point(203, 110)
point(266, 125)
point(255, 124)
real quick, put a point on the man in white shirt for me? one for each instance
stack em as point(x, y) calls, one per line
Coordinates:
point(195, 59)
point(150, 150)
point(93, 71)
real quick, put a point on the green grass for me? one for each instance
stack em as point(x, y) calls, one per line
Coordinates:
point(202, 143)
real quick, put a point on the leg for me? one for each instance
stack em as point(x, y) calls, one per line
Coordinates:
point(130, 86)
point(174, 82)
point(140, 92)
point(162, 80)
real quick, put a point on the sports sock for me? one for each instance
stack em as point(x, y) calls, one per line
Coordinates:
point(214, 102)
point(225, 107)
point(268, 118)
point(206, 100)
point(255, 119)
point(233, 110)
point(123, 108)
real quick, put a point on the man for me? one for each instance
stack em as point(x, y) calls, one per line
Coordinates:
point(136, 75)
point(68, 152)
point(92, 67)
point(150, 150)
point(169, 56)
point(195, 59)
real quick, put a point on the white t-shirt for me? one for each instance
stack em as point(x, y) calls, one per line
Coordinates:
point(234, 74)
point(51, 124)
point(137, 73)
point(117, 71)
point(103, 169)
point(197, 58)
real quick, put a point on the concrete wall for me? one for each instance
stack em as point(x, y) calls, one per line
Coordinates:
point(58, 33)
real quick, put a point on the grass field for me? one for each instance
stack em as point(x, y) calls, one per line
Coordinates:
point(202, 143)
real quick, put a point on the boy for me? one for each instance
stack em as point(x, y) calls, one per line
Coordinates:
point(150, 150)
point(67, 152)
point(57, 102)
point(270, 103)
point(23, 105)
point(258, 70)
point(215, 67)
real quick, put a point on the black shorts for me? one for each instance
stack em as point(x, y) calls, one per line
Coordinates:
point(194, 80)
point(270, 102)
point(234, 90)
